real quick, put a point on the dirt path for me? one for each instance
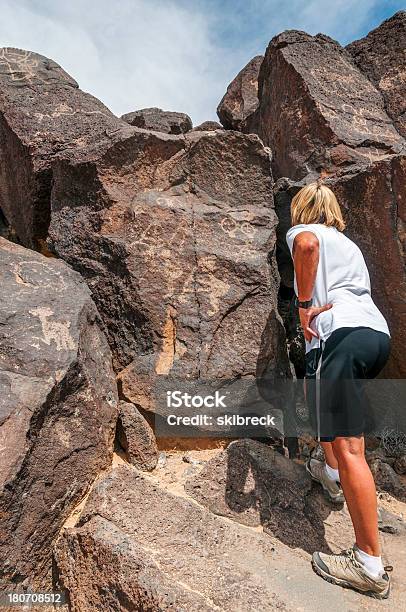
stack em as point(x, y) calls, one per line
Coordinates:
point(293, 576)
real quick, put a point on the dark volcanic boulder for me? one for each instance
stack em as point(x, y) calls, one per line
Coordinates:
point(317, 111)
point(136, 437)
point(6, 231)
point(241, 98)
point(381, 56)
point(386, 479)
point(58, 407)
point(173, 234)
point(140, 547)
point(208, 126)
point(159, 120)
point(400, 465)
point(43, 114)
point(373, 199)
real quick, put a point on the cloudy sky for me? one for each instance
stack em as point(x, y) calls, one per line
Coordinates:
point(175, 54)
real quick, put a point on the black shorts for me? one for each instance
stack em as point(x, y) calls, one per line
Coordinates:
point(335, 395)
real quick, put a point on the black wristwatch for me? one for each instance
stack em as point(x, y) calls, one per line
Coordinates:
point(306, 304)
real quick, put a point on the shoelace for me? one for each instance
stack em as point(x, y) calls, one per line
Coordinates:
point(349, 554)
point(350, 558)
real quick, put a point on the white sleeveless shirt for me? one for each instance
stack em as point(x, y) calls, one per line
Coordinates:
point(342, 280)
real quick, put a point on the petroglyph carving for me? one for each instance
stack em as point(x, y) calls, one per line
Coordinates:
point(245, 231)
point(57, 331)
point(63, 110)
point(20, 65)
point(215, 289)
point(231, 227)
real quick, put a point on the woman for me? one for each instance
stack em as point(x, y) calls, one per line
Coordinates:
point(347, 339)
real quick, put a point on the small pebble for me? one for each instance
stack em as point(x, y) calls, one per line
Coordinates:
point(161, 460)
point(187, 458)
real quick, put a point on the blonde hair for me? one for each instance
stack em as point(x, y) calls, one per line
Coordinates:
point(316, 203)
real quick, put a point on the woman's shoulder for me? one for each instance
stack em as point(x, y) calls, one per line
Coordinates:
point(302, 227)
point(316, 228)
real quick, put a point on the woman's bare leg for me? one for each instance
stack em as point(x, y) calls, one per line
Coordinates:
point(331, 459)
point(359, 491)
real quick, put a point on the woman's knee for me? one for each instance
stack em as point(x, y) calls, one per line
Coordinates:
point(349, 449)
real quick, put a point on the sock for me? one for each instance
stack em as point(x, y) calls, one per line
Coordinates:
point(332, 473)
point(373, 565)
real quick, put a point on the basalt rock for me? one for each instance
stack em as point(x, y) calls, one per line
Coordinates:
point(373, 199)
point(171, 232)
point(138, 543)
point(173, 235)
point(381, 57)
point(43, 115)
point(317, 111)
point(6, 231)
point(386, 479)
point(241, 98)
point(159, 120)
point(140, 547)
point(136, 437)
point(339, 112)
point(400, 465)
point(208, 126)
point(58, 406)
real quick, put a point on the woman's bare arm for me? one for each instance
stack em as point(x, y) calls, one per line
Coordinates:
point(306, 261)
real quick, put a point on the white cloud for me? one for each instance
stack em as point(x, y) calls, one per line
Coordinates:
point(131, 54)
point(172, 54)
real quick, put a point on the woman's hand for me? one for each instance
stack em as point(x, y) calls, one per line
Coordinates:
point(306, 317)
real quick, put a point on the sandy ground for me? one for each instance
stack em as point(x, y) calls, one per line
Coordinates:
point(293, 564)
point(173, 475)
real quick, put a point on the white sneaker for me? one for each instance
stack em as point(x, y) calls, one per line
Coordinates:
point(345, 570)
point(332, 489)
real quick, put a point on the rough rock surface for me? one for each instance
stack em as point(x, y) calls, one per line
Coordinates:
point(255, 485)
point(390, 523)
point(173, 234)
point(387, 479)
point(373, 199)
point(241, 98)
point(400, 465)
point(317, 111)
point(382, 57)
point(208, 126)
point(6, 231)
point(43, 114)
point(136, 437)
point(138, 546)
point(159, 120)
point(58, 406)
